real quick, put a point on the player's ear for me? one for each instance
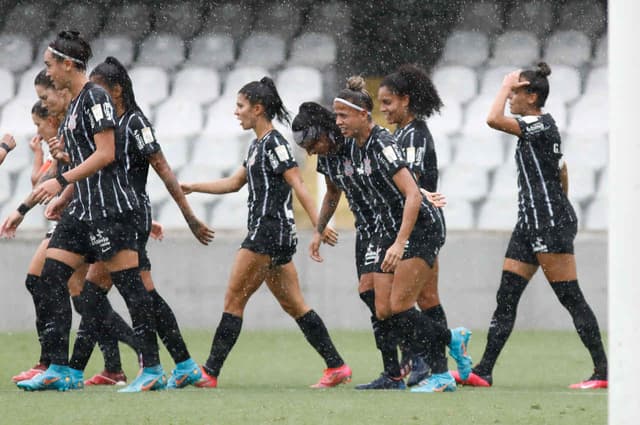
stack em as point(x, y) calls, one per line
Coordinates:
point(258, 109)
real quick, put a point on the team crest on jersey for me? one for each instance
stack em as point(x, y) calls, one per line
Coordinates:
point(71, 122)
point(348, 168)
point(367, 166)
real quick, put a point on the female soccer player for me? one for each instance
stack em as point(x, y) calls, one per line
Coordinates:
point(406, 97)
point(270, 171)
point(409, 233)
point(546, 226)
point(141, 150)
point(7, 143)
point(97, 225)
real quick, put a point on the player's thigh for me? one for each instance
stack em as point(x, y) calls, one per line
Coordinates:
point(382, 285)
point(408, 280)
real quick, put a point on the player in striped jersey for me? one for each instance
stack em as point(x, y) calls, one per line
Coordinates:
point(546, 227)
point(97, 225)
point(401, 255)
point(270, 171)
point(406, 97)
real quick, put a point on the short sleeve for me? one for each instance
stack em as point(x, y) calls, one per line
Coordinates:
point(279, 154)
point(389, 157)
point(144, 135)
point(100, 110)
point(530, 125)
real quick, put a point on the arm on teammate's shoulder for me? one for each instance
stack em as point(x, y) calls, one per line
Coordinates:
point(233, 183)
point(564, 178)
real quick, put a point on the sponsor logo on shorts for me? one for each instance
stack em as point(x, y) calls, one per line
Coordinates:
point(539, 245)
point(372, 255)
point(98, 239)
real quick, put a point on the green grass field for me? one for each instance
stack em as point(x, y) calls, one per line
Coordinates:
point(266, 379)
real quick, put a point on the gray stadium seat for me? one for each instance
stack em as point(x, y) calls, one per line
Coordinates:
point(582, 182)
point(178, 120)
point(279, 19)
point(589, 116)
point(198, 84)
point(492, 78)
point(565, 83)
point(597, 82)
point(182, 19)
point(597, 215)
point(448, 121)
point(25, 83)
point(16, 52)
point(231, 212)
point(219, 154)
point(475, 126)
point(176, 152)
point(601, 55)
point(6, 86)
point(556, 107)
point(156, 189)
point(498, 214)
point(516, 48)
point(211, 50)
point(483, 15)
point(533, 15)
point(443, 148)
point(119, 46)
point(220, 121)
point(458, 213)
point(568, 47)
point(487, 153)
point(262, 49)
point(201, 172)
point(129, 19)
point(16, 118)
point(455, 83)
point(229, 18)
point(240, 76)
point(151, 84)
point(313, 49)
point(164, 50)
point(332, 18)
point(587, 16)
point(466, 182)
point(299, 84)
point(466, 48)
point(30, 19)
point(586, 151)
point(83, 17)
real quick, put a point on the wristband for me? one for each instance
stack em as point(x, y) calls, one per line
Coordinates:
point(63, 182)
point(6, 147)
point(23, 209)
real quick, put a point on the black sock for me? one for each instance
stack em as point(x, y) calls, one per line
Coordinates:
point(437, 315)
point(168, 329)
point(571, 297)
point(224, 339)
point(388, 339)
point(56, 310)
point(140, 306)
point(34, 286)
point(316, 333)
point(504, 317)
point(369, 298)
point(426, 336)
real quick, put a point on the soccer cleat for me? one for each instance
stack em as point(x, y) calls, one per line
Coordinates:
point(419, 371)
point(54, 378)
point(595, 381)
point(151, 379)
point(186, 373)
point(383, 382)
point(436, 383)
point(333, 377)
point(107, 378)
point(458, 350)
point(206, 380)
point(28, 374)
point(406, 363)
point(473, 380)
point(77, 379)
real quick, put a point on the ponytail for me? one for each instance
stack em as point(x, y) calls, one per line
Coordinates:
point(265, 93)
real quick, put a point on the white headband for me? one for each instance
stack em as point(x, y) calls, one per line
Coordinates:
point(352, 105)
point(62, 55)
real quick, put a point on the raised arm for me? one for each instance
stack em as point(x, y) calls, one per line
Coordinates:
point(497, 119)
point(233, 183)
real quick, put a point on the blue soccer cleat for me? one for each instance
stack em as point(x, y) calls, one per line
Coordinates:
point(77, 379)
point(56, 377)
point(436, 383)
point(151, 379)
point(186, 373)
point(458, 350)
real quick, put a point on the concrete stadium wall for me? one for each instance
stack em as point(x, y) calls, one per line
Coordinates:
point(192, 278)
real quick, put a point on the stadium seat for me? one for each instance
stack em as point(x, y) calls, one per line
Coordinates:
point(565, 83)
point(182, 19)
point(492, 78)
point(466, 48)
point(220, 120)
point(16, 52)
point(568, 48)
point(589, 116)
point(21, 155)
point(587, 16)
point(150, 84)
point(16, 118)
point(211, 51)
point(163, 50)
point(299, 84)
point(230, 18)
point(443, 148)
point(171, 217)
point(483, 15)
point(198, 84)
point(601, 55)
point(597, 217)
point(498, 214)
point(200, 172)
point(516, 48)
point(119, 46)
point(535, 16)
point(455, 83)
point(505, 182)
point(237, 78)
point(30, 19)
point(176, 152)
point(458, 213)
point(582, 182)
point(484, 153)
point(231, 211)
point(220, 154)
point(586, 151)
point(129, 19)
point(178, 119)
point(278, 18)
point(597, 83)
point(262, 49)
point(26, 91)
point(6, 85)
point(156, 189)
point(313, 49)
point(466, 182)
point(448, 121)
point(475, 126)
point(83, 17)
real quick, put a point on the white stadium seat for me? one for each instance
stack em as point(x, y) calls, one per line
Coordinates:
point(211, 51)
point(150, 84)
point(178, 119)
point(589, 117)
point(597, 82)
point(464, 182)
point(455, 83)
point(448, 120)
point(487, 153)
point(458, 214)
point(25, 84)
point(467, 48)
point(221, 155)
point(200, 172)
point(198, 84)
point(582, 182)
point(164, 50)
point(240, 76)
point(299, 84)
point(6, 85)
point(505, 182)
point(231, 211)
point(568, 47)
point(516, 48)
point(491, 80)
point(171, 217)
point(565, 83)
point(119, 46)
point(586, 152)
point(16, 52)
point(443, 148)
point(313, 49)
point(498, 214)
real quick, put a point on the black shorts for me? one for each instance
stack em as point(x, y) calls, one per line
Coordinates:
point(525, 244)
point(362, 244)
point(143, 227)
point(97, 240)
point(280, 254)
point(424, 242)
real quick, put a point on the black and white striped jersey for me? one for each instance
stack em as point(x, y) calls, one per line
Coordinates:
point(107, 192)
point(376, 163)
point(416, 143)
point(338, 167)
point(270, 207)
point(541, 201)
point(138, 136)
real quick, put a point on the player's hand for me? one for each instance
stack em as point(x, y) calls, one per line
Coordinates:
point(56, 148)
point(200, 230)
point(512, 80)
point(437, 199)
point(46, 191)
point(314, 247)
point(9, 140)
point(392, 257)
point(10, 225)
point(157, 232)
point(35, 144)
point(186, 188)
point(330, 236)
point(55, 208)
